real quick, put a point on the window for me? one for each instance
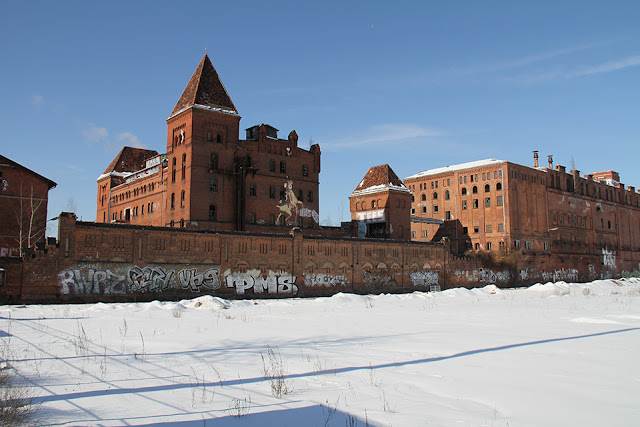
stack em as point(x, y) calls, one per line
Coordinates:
point(471, 178)
point(500, 227)
point(212, 213)
point(209, 137)
point(487, 188)
point(272, 192)
point(182, 199)
point(527, 245)
point(465, 230)
point(465, 179)
point(499, 201)
point(464, 191)
point(464, 205)
point(413, 234)
point(499, 186)
point(476, 229)
point(447, 195)
point(213, 162)
point(460, 180)
point(173, 170)
point(300, 196)
point(488, 246)
point(488, 228)
point(476, 178)
point(448, 182)
point(310, 196)
point(218, 138)
point(252, 189)
point(373, 204)
point(476, 246)
point(283, 167)
point(282, 194)
point(173, 200)
point(213, 185)
point(305, 170)
point(432, 185)
point(424, 197)
point(252, 218)
point(483, 176)
point(424, 233)
point(436, 184)
point(184, 165)
point(487, 202)
point(413, 211)
point(435, 195)
point(475, 203)
point(447, 215)
point(609, 224)
point(474, 190)
point(272, 165)
point(424, 209)
point(435, 208)
point(546, 246)
point(516, 244)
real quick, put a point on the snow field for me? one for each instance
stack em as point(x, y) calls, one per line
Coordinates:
point(551, 354)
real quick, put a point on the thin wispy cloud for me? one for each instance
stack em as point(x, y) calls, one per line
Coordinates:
point(37, 99)
point(390, 133)
point(95, 134)
point(526, 60)
point(580, 71)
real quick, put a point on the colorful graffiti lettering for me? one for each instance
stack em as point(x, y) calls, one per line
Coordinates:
point(271, 283)
point(151, 279)
point(424, 278)
point(320, 279)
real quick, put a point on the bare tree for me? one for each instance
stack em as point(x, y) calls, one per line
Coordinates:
point(31, 227)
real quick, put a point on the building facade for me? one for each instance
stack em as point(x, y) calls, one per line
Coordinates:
point(23, 207)
point(208, 178)
point(499, 205)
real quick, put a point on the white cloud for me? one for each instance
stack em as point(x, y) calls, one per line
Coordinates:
point(127, 138)
point(385, 134)
point(95, 133)
point(37, 99)
point(608, 67)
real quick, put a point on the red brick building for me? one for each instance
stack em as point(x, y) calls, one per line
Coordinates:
point(380, 204)
point(209, 178)
point(23, 207)
point(499, 205)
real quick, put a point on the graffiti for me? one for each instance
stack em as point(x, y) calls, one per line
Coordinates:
point(151, 279)
point(484, 276)
point(95, 282)
point(424, 278)
point(524, 274)
point(5, 184)
point(570, 274)
point(9, 252)
point(189, 278)
point(98, 281)
point(634, 273)
point(608, 259)
point(374, 281)
point(320, 279)
point(289, 206)
point(271, 283)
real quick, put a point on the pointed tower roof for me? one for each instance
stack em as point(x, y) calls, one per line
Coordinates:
point(205, 90)
point(379, 178)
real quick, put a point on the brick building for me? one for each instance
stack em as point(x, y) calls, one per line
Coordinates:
point(499, 205)
point(380, 204)
point(209, 178)
point(23, 207)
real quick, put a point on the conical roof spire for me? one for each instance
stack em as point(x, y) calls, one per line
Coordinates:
point(205, 89)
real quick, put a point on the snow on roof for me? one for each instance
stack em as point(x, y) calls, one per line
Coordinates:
point(461, 166)
point(380, 188)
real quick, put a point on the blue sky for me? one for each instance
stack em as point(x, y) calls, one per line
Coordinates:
point(418, 85)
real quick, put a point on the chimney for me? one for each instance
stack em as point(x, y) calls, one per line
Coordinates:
point(561, 168)
point(550, 158)
point(631, 188)
point(590, 177)
point(535, 159)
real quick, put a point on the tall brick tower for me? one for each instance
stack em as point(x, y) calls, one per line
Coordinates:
point(202, 143)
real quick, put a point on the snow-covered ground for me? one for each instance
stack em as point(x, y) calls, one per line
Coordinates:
point(549, 355)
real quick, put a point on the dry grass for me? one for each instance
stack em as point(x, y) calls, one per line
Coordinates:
point(16, 402)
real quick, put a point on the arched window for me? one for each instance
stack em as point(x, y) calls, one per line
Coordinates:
point(272, 165)
point(182, 199)
point(212, 213)
point(184, 165)
point(173, 200)
point(424, 197)
point(464, 191)
point(209, 138)
point(474, 190)
point(173, 170)
point(182, 223)
point(447, 196)
point(487, 188)
point(499, 186)
point(218, 138)
point(283, 167)
point(213, 165)
point(435, 195)
point(373, 204)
